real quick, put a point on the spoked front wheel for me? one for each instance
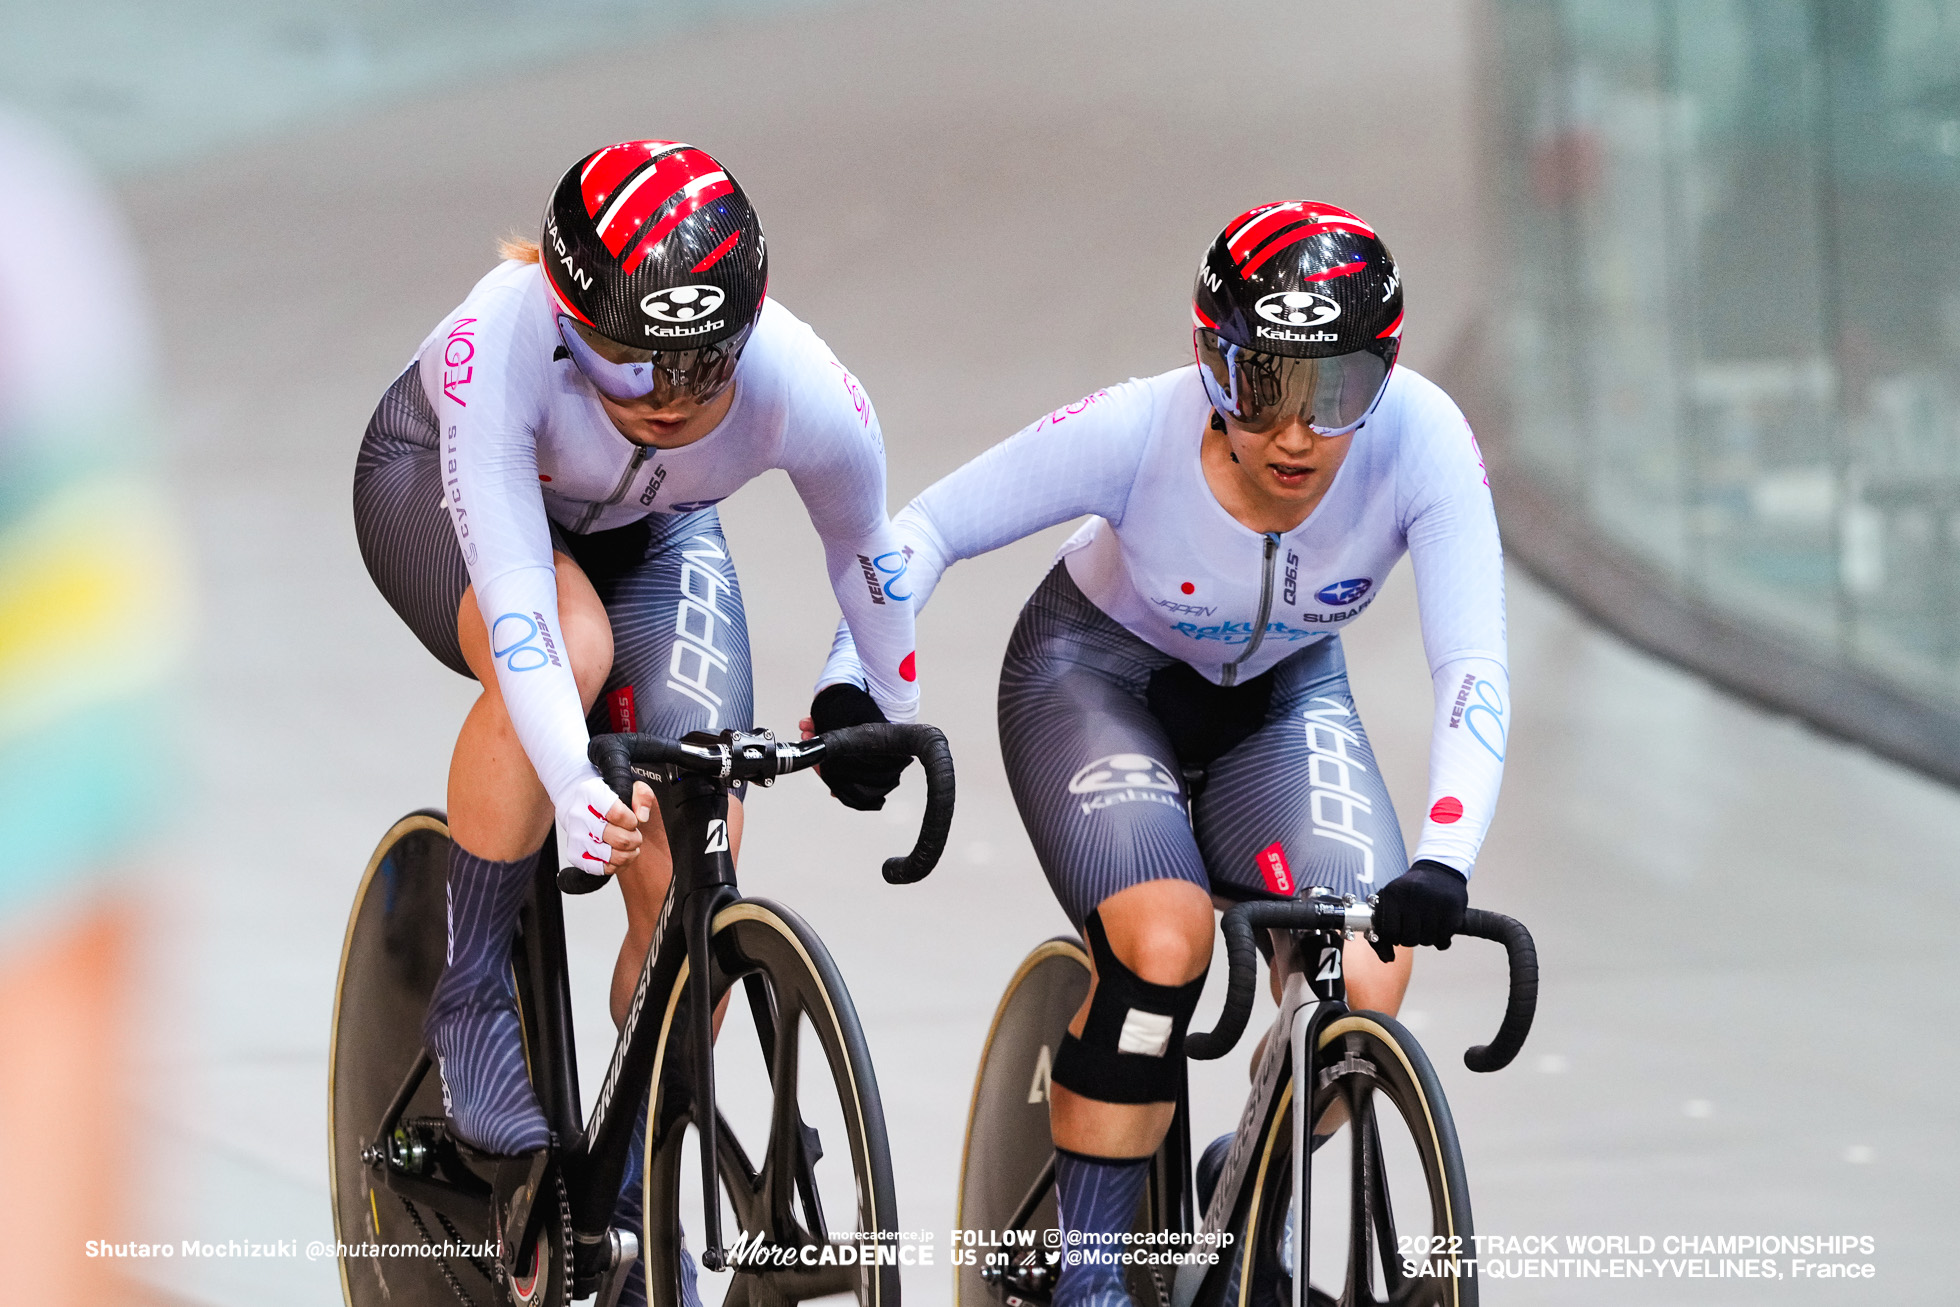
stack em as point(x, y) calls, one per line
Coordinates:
point(801, 1147)
point(1389, 1203)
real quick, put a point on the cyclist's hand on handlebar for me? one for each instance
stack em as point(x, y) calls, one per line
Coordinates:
point(1424, 905)
point(602, 844)
point(860, 783)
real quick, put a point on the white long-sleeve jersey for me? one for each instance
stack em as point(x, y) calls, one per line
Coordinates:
point(1163, 558)
point(525, 441)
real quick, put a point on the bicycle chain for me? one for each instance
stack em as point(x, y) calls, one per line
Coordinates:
point(494, 1275)
point(456, 1240)
point(442, 1263)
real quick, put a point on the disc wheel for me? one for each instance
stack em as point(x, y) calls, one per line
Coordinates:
point(1391, 1170)
point(390, 961)
point(1009, 1153)
point(801, 1147)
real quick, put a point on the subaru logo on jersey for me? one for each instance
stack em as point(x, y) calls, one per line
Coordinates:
point(682, 303)
point(693, 505)
point(1344, 592)
point(1298, 308)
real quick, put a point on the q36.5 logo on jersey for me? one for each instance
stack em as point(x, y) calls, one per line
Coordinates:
point(1298, 308)
point(682, 303)
point(1344, 592)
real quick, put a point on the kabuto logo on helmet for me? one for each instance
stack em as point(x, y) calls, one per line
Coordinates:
point(1302, 279)
point(682, 303)
point(655, 239)
point(1297, 308)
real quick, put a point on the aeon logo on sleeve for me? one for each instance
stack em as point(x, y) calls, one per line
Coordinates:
point(682, 303)
point(1298, 308)
point(1344, 592)
point(1125, 778)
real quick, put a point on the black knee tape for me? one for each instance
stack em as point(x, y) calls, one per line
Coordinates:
point(1132, 1044)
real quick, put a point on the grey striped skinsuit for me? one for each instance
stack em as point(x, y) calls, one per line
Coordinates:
point(1299, 802)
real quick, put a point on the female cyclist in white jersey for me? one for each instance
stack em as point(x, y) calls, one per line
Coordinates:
point(1174, 710)
point(535, 497)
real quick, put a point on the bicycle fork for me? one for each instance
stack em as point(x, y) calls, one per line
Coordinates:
point(697, 836)
point(1317, 956)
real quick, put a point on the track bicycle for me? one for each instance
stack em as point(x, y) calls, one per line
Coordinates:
point(424, 1218)
point(1368, 1206)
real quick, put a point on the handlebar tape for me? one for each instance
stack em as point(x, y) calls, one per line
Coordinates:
point(928, 745)
point(614, 756)
point(1242, 956)
point(1523, 1003)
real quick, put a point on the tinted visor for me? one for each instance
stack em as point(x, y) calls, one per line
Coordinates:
point(1259, 391)
point(695, 374)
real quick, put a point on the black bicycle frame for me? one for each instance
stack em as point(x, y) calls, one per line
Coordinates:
point(592, 1156)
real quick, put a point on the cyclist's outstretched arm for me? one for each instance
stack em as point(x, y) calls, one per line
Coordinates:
point(1459, 572)
point(1079, 460)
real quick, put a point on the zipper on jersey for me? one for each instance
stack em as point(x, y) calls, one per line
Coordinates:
point(1230, 676)
point(626, 479)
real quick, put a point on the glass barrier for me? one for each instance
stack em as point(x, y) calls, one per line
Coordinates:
point(1730, 341)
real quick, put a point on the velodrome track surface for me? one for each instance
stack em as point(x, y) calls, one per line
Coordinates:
point(1749, 972)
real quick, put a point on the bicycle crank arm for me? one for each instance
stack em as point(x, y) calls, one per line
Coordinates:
point(622, 1250)
point(516, 1183)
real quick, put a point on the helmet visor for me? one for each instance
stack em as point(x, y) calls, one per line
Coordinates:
point(1260, 391)
point(623, 373)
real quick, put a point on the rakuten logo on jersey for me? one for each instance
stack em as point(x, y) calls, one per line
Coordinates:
point(1298, 308)
point(682, 303)
point(1125, 778)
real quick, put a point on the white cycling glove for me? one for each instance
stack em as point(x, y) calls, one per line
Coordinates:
point(582, 827)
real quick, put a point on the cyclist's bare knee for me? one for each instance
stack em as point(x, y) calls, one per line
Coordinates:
point(1374, 985)
point(1161, 930)
point(643, 885)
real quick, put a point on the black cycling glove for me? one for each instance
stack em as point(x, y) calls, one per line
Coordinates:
point(1424, 905)
point(860, 783)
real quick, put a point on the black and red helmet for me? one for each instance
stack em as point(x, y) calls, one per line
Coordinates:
point(653, 245)
point(1297, 280)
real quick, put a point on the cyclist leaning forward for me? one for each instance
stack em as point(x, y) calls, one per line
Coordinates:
point(1174, 710)
point(535, 497)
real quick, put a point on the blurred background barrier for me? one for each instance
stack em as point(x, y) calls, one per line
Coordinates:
point(93, 622)
point(1722, 373)
point(987, 210)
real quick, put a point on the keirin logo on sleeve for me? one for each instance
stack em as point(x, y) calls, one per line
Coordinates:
point(1333, 798)
point(1125, 778)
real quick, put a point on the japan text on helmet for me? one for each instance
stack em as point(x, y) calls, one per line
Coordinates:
point(652, 245)
point(1298, 307)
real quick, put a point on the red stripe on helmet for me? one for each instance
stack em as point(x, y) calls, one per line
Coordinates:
point(1341, 271)
point(647, 193)
point(1204, 321)
point(563, 300)
point(605, 171)
point(714, 255)
point(658, 231)
point(1251, 226)
point(1294, 237)
point(1255, 225)
point(1392, 329)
